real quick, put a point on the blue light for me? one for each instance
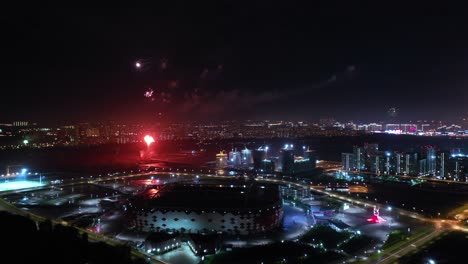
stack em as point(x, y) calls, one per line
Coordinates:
point(24, 170)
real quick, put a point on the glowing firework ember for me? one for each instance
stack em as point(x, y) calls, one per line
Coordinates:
point(149, 93)
point(148, 139)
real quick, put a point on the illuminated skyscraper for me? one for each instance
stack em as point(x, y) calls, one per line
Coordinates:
point(259, 155)
point(459, 167)
point(422, 167)
point(311, 155)
point(267, 166)
point(388, 164)
point(359, 158)
point(286, 160)
point(347, 161)
point(398, 161)
point(429, 153)
point(235, 158)
point(377, 163)
point(370, 151)
point(442, 163)
point(221, 159)
point(246, 157)
point(411, 164)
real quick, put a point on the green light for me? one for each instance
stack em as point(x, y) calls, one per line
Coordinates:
point(25, 141)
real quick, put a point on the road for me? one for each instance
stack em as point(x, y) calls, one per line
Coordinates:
point(394, 255)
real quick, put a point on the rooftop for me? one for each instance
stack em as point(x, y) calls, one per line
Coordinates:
point(160, 237)
point(209, 196)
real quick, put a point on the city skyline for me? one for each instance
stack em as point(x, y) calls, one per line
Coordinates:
point(215, 62)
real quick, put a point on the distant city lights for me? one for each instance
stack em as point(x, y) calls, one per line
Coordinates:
point(65, 135)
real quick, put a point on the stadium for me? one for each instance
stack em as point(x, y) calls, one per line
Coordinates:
point(208, 208)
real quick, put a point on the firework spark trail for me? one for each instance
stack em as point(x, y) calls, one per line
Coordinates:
point(149, 93)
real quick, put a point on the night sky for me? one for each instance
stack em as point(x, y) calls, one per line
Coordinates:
point(255, 60)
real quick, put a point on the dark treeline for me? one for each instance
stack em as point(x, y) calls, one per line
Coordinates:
point(24, 241)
